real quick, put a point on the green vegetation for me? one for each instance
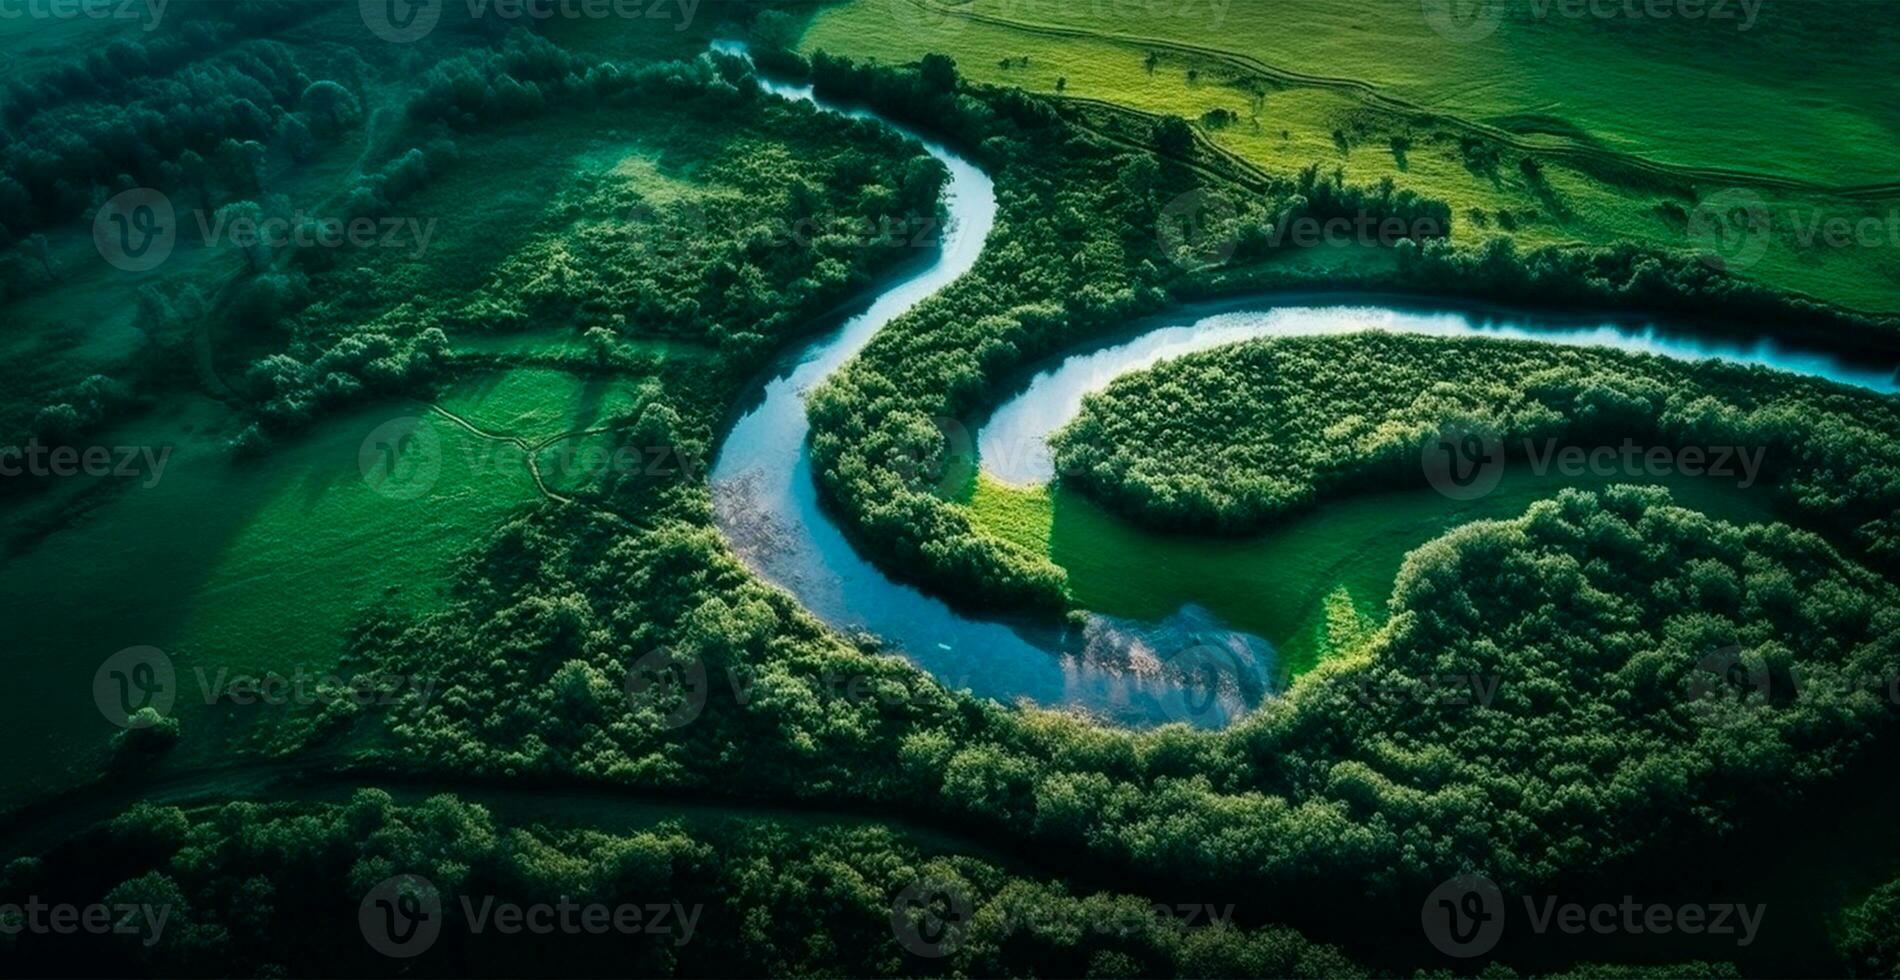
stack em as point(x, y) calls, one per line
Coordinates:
point(272, 890)
point(1549, 688)
point(1867, 939)
point(624, 251)
point(1799, 69)
point(252, 887)
point(1237, 437)
point(553, 299)
point(1294, 582)
point(1577, 150)
point(1078, 253)
point(1591, 612)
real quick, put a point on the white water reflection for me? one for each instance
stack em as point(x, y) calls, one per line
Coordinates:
point(1013, 443)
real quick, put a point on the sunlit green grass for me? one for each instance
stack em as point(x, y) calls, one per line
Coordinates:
point(1804, 89)
point(1276, 584)
point(1696, 117)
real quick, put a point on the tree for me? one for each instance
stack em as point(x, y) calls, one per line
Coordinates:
point(1174, 137)
point(603, 344)
point(331, 106)
point(939, 73)
point(149, 736)
point(241, 221)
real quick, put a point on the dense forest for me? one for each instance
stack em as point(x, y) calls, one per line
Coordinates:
point(1602, 741)
point(1600, 746)
point(256, 889)
point(1657, 681)
point(801, 222)
point(1236, 437)
point(1077, 254)
point(261, 890)
point(808, 212)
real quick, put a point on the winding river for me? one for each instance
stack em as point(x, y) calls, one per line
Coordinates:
point(1186, 666)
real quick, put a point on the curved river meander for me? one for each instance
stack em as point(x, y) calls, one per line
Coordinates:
point(1121, 669)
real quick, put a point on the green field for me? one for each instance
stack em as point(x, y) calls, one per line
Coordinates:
point(1281, 583)
point(1616, 164)
point(257, 567)
point(1811, 72)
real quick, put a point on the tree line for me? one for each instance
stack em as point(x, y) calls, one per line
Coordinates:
point(1234, 438)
